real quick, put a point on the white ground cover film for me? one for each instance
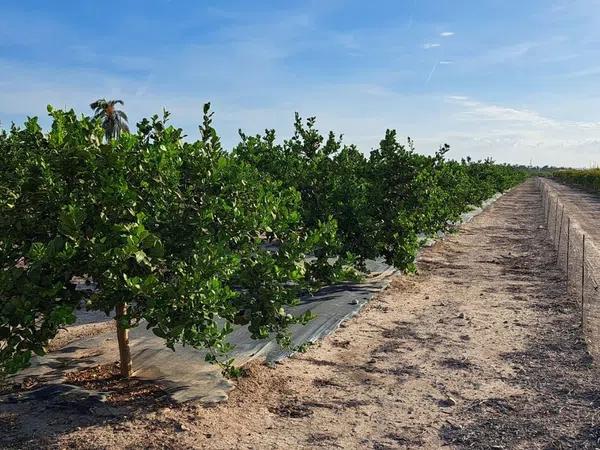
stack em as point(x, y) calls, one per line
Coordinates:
point(184, 373)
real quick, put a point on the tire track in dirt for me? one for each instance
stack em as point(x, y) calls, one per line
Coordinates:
point(479, 349)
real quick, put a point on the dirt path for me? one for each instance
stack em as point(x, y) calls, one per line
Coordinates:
point(480, 349)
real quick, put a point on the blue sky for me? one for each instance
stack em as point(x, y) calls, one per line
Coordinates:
point(515, 80)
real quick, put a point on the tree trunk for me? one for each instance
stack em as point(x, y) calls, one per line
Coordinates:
point(123, 338)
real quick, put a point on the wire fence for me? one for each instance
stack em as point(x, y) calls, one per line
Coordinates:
point(578, 257)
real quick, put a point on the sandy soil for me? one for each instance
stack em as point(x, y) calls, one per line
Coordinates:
point(480, 349)
point(584, 207)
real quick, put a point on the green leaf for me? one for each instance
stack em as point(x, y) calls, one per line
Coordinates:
point(140, 256)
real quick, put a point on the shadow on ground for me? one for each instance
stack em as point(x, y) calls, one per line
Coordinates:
point(555, 369)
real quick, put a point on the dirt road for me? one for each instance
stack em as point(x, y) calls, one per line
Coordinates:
point(480, 349)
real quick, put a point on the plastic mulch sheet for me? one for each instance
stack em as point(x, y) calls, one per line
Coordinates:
point(184, 373)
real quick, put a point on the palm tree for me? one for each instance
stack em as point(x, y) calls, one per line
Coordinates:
point(114, 121)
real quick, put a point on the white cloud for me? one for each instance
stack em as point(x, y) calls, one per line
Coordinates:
point(521, 134)
point(470, 126)
point(249, 70)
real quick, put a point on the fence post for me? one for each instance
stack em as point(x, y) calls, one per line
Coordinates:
point(546, 211)
point(582, 281)
point(555, 218)
point(568, 248)
point(562, 213)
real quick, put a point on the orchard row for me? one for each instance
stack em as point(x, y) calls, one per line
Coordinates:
point(192, 239)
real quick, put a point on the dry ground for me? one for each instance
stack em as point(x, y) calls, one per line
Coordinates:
point(584, 207)
point(481, 349)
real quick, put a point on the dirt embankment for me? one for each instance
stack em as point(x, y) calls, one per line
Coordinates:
point(480, 349)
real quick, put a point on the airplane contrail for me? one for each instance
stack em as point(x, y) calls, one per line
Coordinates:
point(439, 63)
point(432, 72)
point(411, 16)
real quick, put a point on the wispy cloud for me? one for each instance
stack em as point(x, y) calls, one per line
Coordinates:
point(508, 53)
point(545, 50)
point(523, 133)
point(492, 112)
point(259, 63)
point(590, 71)
point(484, 111)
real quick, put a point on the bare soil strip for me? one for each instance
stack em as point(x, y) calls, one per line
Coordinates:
point(480, 349)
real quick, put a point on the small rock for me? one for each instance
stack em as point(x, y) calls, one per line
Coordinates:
point(447, 402)
point(461, 315)
point(179, 427)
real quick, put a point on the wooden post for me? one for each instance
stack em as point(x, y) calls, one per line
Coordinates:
point(123, 339)
point(555, 218)
point(562, 213)
point(568, 248)
point(582, 281)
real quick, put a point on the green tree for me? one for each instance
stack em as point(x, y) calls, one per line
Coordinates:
point(171, 232)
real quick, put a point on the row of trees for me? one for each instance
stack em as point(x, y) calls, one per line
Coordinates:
point(586, 178)
point(382, 204)
point(173, 233)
